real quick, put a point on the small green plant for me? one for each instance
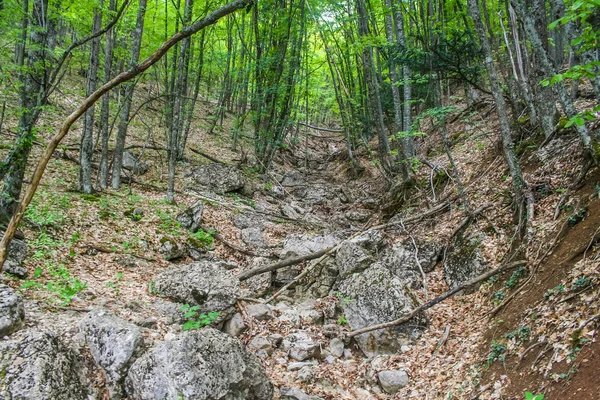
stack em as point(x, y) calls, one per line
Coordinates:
point(497, 352)
point(342, 320)
point(577, 216)
point(531, 396)
point(195, 320)
point(522, 334)
point(558, 289)
point(499, 296)
point(268, 186)
point(63, 285)
point(204, 238)
point(168, 225)
point(344, 299)
point(581, 283)
point(114, 284)
point(516, 277)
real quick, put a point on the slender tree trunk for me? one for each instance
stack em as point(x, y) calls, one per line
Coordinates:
point(128, 98)
point(33, 85)
point(409, 146)
point(507, 142)
point(105, 113)
point(591, 146)
point(87, 137)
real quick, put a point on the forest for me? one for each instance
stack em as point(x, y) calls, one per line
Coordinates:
point(299, 199)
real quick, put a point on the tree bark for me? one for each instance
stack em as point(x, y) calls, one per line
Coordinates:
point(128, 98)
point(86, 152)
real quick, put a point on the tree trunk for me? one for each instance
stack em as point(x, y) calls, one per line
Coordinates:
point(105, 112)
point(86, 152)
point(507, 142)
point(409, 146)
point(128, 98)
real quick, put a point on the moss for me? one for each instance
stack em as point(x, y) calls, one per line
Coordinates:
point(166, 239)
point(197, 244)
point(523, 120)
point(92, 198)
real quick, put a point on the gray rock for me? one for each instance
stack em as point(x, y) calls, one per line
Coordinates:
point(351, 258)
point(17, 250)
point(170, 248)
point(235, 326)
point(464, 263)
point(301, 245)
point(39, 366)
point(315, 194)
point(12, 311)
point(261, 312)
point(376, 296)
point(306, 374)
point(319, 281)
point(254, 237)
point(293, 178)
point(248, 220)
point(132, 163)
point(204, 283)
point(292, 393)
point(358, 216)
point(330, 359)
point(202, 365)
point(400, 260)
point(218, 178)
point(296, 366)
point(261, 343)
point(302, 312)
point(258, 285)
point(191, 218)
point(392, 381)
point(113, 343)
point(289, 211)
point(336, 347)
point(300, 346)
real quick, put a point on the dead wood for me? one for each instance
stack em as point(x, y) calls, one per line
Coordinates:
point(439, 299)
point(211, 158)
point(282, 264)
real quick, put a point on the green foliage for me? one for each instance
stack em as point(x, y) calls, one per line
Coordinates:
point(522, 334)
point(552, 292)
point(47, 209)
point(168, 225)
point(204, 238)
point(195, 320)
point(497, 352)
point(499, 296)
point(115, 283)
point(342, 320)
point(531, 396)
point(61, 283)
point(516, 277)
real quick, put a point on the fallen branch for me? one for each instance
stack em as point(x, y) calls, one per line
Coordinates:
point(239, 248)
point(282, 264)
point(321, 129)
point(211, 158)
point(438, 299)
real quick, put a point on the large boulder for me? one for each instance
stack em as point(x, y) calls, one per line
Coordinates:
point(218, 178)
point(191, 218)
point(376, 296)
point(400, 260)
point(12, 312)
point(202, 365)
point(14, 261)
point(113, 343)
point(318, 282)
point(132, 163)
point(301, 245)
point(314, 194)
point(207, 284)
point(39, 366)
point(258, 285)
point(464, 262)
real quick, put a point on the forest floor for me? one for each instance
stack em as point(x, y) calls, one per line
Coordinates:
point(531, 332)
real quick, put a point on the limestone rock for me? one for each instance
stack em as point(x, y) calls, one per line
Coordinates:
point(300, 346)
point(400, 260)
point(376, 296)
point(203, 365)
point(12, 312)
point(132, 163)
point(291, 393)
point(218, 178)
point(17, 250)
point(464, 263)
point(113, 343)
point(254, 237)
point(205, 283)
point(257, 285)
point(392, 381)
point(336, 347)
point(170, 248)
point(39, 366)
point(301, 245)
point(235, 326)
point(261, 312)
point(191, 218)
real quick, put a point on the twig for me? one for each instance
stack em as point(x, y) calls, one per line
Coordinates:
point(439, 299)
point(416, 253)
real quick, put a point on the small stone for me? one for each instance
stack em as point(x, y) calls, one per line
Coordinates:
point(392, 381)
point(404, 349)
point(261, 312)
point(306, 374)
point(347, 353)
point(261, 343)
point(235, 326)
point(330, 359)
point(290, 393)
point(276, 338)
point(300, 346)
point(336, 347)
point(295, 366)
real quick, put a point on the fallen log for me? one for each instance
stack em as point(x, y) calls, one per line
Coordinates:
point(282, 264)
point(437, 300)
